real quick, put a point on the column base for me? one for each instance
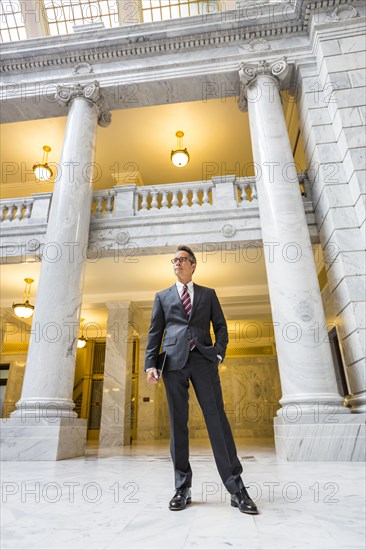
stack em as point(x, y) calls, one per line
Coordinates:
point(333, 438)
point(357, 402)
point(52, 439)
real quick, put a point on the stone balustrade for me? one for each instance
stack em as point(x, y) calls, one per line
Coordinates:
point(175, 197)
point(130, 219)
point(25, 210)
point(103, 203)
point(16, 209)
point(139, 201)
point(246, 191)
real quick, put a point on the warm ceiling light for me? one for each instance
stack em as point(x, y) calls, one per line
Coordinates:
point(41, 170)
point(179, 156)
point(81, 340)
point(24, 310)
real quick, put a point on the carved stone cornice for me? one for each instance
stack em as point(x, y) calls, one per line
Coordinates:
point(232, 27)
point(249, 72)
point(305, 9)
point(147, 48)
point(91, 92)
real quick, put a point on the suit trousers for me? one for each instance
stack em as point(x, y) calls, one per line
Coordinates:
point(204, 376)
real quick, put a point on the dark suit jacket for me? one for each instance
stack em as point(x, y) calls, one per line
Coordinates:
point(170, 320)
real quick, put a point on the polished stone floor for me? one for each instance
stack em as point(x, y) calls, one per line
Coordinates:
point(117, 499)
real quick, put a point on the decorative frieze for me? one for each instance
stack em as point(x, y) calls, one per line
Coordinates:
point(342, 13)
point(259, 45)
point(149, 48)
point(82, 68)
point(231, 27)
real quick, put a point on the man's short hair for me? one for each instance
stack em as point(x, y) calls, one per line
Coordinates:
point(191, 256)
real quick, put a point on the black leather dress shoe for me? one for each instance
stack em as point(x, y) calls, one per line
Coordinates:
point(242, 500)
point(181, 498)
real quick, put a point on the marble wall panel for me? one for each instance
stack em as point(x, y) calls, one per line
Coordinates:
point(340, 61)
point(115, 421)
point(251, 390)
point(15, 382)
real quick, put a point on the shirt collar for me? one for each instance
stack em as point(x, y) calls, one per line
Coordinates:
point(181, 285)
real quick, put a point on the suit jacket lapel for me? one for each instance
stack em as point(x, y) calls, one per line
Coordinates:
point(197, 290)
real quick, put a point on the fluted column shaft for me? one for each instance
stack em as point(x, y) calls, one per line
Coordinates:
point(49, 375)
point(305, 362)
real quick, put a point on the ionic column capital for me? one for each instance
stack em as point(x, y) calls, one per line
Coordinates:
point(249, 72)
point(91, 92)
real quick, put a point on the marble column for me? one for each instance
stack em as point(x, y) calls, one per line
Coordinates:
point(44, 426)
point(310, 399)
point(122, 329)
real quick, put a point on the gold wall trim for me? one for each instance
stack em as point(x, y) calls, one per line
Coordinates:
point(322, 278)
point(15, 347)
point(250, 351)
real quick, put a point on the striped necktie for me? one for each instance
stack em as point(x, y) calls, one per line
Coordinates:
point(186, 301)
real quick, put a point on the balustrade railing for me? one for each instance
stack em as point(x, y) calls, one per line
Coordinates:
point(152, 200)
point(103, 203)
point(246, 191)
point(16, 209)
point(130, 200)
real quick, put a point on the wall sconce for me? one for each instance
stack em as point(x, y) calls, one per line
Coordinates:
point(24, 310)
point(41, 170)
point(81, 340)
point(179, 156)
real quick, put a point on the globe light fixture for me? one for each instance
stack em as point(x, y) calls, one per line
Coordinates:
point(24, 310)
point(41, 170)
point(81, 340)
point(179, 156)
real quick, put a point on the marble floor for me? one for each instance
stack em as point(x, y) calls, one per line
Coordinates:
point(117, 499)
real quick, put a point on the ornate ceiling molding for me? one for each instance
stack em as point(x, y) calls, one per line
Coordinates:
point(234, 27)
point(155, 47)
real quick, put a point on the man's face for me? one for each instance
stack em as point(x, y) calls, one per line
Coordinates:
point(183, 269)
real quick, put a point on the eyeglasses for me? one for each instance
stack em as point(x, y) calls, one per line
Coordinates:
point(181, 260)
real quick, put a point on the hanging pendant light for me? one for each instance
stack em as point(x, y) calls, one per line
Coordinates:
point(81, 340)
point(179, 157)
point(41, 170)
point(24, 310)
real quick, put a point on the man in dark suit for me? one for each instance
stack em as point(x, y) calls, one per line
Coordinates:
point(181, 317)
